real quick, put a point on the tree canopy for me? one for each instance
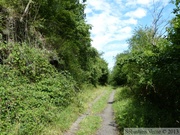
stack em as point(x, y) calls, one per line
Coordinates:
point(151, 66)
point(58, 26)
point(46, 58)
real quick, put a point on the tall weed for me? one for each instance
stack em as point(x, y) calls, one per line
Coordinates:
point(133, 112)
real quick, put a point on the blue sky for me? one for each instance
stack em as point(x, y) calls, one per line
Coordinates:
point(113, 22)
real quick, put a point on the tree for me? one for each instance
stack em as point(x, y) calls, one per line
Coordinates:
point(56, 25)
point(152, 71)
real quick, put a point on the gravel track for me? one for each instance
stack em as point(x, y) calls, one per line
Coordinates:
point(75, 125)
point(108, 125)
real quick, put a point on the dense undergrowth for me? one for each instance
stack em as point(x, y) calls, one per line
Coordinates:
point(134, 112)
point(46, 58)
point(69, 115)
point(150, 71)
point(91, 123)
point(32, 93)
point(34, 97)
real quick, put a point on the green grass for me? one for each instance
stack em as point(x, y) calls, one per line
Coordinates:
point(133, 112)
point(35, 99)
point(64, 120)
point(101, 104)
point(68, 116)
point(89, 125)
point(89, 95)
point(32, 111)
point(92, 123)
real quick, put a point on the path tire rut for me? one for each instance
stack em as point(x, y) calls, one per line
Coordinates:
point(75, 126)
point(108, 125)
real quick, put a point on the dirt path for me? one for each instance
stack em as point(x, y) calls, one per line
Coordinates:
point(108, 125)
point(75, 125)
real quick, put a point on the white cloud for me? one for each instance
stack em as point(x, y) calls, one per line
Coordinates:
point(116, 46)
point(126, 29)
point(130, 21)
point(108, 26)
point(110, 55)
point(98, 5)
point(146, 3)
point(138, 13)
point(138, 2)
point(113, 22)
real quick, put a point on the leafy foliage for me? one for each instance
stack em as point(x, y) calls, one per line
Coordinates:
point(45, 59)
point(133, 112)
point(152, 70)
point(29, 95)
point(58, 26)
point(22, 59)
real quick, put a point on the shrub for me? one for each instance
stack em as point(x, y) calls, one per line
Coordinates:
point(32, 92)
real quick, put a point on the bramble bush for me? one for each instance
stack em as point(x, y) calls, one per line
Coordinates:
point(32, 92)
point(29, 61)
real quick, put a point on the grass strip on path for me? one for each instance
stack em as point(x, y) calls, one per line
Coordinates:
point(101, 104)
point(92, 122)
point(89, 125)
point(67, 117)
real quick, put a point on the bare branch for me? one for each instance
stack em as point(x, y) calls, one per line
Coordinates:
point(25, 11)
point(159, 23)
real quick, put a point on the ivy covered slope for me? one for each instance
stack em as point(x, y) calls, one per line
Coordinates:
point(45, 58)
point(151, 70)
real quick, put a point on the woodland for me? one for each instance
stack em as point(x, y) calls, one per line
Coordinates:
point(45, 59)
point(47, 63)
point(149, 72)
